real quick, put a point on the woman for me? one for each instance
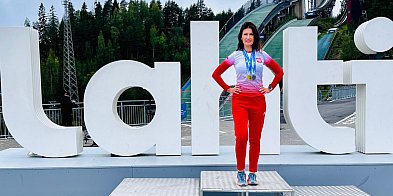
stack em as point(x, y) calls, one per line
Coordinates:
point(248, 100)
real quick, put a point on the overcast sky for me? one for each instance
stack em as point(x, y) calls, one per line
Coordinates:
point(14, 12)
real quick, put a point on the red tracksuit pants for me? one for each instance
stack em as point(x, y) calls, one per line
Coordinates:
point(248, 116)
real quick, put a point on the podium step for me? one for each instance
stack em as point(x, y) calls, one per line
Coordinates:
point(328, 191)
point(157, 186)
point(225, 181)
point(219, 182)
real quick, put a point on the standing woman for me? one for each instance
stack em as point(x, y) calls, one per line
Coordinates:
point(248, 100)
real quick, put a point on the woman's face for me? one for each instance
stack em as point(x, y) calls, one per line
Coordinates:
point(247, 37)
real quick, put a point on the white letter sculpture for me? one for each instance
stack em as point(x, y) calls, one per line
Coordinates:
point(204, 92)
point(22, 102)
point(104, 123)
point(373, 79)
point(302, 75)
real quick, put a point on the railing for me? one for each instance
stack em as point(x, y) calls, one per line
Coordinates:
point(337, 93)
point(225, 109)
point(133, 113)
point(141, 112)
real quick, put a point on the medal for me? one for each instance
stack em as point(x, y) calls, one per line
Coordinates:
point(250, 65)
point(251, 77)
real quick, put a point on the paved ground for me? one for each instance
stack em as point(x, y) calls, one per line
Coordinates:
point(339, 113)
point(8, 143)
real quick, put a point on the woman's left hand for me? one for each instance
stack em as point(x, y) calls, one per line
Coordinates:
point(264, 90)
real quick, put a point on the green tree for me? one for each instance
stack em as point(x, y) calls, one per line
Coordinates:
point(156, 16)
point(27, 23)
point(41, 23)
point(349, 51)
point(324, 24)
point(157, 42)
point(378, 8)
point(173, 15)
point(51, 78)
point(178, 50)
point(42, 31)
point(115, 46)
point(239, 14)
point(258, 3)
point(101, 52)
point(134, 29)
point(123, 4)
point(136, 32)
point(53, 31)
point(223, 17)
point(197, 12)
point(115, 6)
point(252, 6)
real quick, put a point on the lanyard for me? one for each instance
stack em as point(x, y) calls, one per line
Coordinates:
point(250, 62)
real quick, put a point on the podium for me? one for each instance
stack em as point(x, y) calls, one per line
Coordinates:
point(225, 181)
point(328, 190)
point(157, 186)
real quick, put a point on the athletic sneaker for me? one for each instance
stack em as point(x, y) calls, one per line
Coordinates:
point(252, 179)
point(241, 178)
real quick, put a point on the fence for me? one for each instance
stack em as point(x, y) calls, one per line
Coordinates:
point(141, 112)
point(337, 93)
point(133, 113)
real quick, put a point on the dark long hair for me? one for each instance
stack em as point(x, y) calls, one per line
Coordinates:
point(257, 41)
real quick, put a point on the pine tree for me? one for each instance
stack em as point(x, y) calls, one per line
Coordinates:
point(258, 3)
point(115, 6)
point(156, 16)
point(123, 4)
point(252, 7)
point(53, 31)
point(27, 23)
point(173, 15)
point(223, 17)
point(51, 78)
point(41, 23)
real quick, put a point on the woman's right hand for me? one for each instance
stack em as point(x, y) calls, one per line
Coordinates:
point(234, 90)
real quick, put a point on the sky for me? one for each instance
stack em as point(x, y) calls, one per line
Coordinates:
point(14, 12)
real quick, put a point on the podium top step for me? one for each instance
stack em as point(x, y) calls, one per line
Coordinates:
point(328, 191)
point(225, 181)
point(157, 186)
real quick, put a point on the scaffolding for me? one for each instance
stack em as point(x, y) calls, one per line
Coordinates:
point(70, 83)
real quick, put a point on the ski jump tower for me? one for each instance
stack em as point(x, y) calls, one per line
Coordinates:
point(69, 71)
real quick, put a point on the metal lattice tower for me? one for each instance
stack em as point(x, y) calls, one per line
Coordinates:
point(70, 83)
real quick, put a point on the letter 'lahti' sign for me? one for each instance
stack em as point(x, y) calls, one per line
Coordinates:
point(24, 116)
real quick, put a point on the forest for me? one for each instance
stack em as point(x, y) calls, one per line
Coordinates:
point(148, 33)
point(125, 30)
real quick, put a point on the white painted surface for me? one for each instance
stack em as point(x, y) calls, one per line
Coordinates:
point(374, 113)
point(374, 36)
point(302, 75)
point(22, 101)
point(205, 92)
point(105, 125)
point(270, 141)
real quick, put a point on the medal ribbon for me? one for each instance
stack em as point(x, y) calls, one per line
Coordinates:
point(250, 62)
